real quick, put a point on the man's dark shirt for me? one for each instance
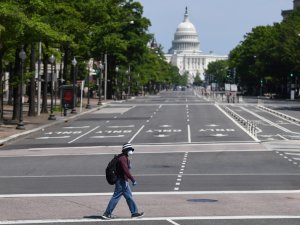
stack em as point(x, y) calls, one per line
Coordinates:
point(123, 171)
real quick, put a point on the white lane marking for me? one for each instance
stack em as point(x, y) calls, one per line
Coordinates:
point(284, 138)
point(80, 221)
point(161, 135)
point(128, 126)
point(172, 222)
point(181, 172)
point(60, 137)
point(182, 144)
point(219, 135)
point(189, 133)
point(83, 135)
point(269, 121)
point(142, 127)
point(239, 125)
point(152, 193)
point(144, 152)
point(288, 153)
point(212, 125)
point(76, 127)
point(114, 136)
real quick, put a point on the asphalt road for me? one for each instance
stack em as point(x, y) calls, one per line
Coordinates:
point(194, 163)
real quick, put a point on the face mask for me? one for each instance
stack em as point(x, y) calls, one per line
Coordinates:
point(130, 152)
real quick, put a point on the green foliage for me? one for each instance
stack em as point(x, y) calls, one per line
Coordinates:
point(269, 53)
point(86, 29)
point(197, 80)
point(217, 72)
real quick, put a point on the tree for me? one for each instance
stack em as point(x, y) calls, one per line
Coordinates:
point(197, 80)
point(217, 72)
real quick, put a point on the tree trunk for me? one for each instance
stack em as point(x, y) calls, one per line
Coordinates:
point(45, 85)
point(16, 88)
point(1, 85)
point(32, 86)
point(65, 70)
point(10, 84)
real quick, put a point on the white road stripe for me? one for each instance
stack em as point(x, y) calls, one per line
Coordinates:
point(76, 127)
point(83, 135)
point(284, 138)
point(146, 175)
point(114, 136)
point(172, 222)
point(152, 193)
point(58, 137)
point(136, 134)
point(296, 154)
point(164, 145)
point(153, 219)
point(128, 126)
point(269, 121)
point(189, 133)
point(239, 125)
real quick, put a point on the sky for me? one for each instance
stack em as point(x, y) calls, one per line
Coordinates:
point(221, 24)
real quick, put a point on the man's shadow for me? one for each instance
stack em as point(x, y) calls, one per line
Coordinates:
point(94, 217)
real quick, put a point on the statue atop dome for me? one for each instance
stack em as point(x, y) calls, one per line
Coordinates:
point(186, 15)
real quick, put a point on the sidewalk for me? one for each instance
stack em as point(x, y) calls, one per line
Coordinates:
point(8, 131)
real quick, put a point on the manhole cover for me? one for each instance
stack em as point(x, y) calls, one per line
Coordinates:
point(202, 200)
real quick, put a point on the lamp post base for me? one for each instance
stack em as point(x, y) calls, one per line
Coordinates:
point(51, 117)
point(20, 126)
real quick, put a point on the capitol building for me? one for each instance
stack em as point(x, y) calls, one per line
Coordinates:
point(185, 52)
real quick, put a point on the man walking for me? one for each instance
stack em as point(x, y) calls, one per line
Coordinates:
point(122, 186)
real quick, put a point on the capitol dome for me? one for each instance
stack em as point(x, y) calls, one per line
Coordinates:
point(185, 38)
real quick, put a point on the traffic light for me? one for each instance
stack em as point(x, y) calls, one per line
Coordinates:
point(229, 75)
point(98, 73)
point(291, 75)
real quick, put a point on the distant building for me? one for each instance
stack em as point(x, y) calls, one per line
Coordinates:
point(185, 52)
point(285, 13)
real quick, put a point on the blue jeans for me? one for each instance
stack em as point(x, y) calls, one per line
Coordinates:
point(121, 188)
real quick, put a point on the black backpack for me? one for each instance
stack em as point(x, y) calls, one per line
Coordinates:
point(111, 170)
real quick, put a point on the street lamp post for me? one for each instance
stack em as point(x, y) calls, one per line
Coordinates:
point(129, 82)
point(88, 106)
point(100, 67)
point(51, 116)
point(20, 125)
point(74, 63)
point(117, 87)
point(127, 73)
